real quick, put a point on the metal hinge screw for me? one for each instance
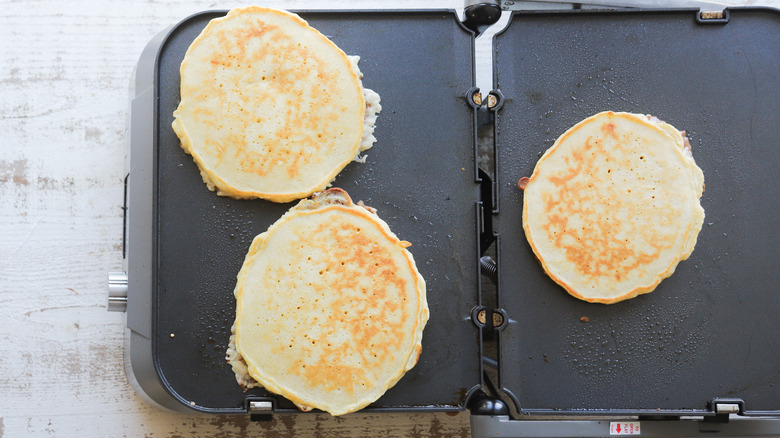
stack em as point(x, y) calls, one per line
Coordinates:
point(498, 319)
point(477, 98)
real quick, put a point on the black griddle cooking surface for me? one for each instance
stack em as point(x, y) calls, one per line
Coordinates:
point(712, 328)
point(419, 175)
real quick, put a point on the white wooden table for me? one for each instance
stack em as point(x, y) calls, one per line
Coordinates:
point(64, 76)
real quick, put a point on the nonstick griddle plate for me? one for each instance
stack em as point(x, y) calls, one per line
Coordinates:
point(419, 176)
point(711, 329)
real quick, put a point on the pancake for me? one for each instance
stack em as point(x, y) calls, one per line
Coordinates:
point(613, 206)
point(270, 108)
point(330, 307)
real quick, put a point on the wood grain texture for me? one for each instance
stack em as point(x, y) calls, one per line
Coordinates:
point(65, 69)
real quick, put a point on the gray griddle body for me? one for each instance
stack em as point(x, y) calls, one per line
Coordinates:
point(708, 332)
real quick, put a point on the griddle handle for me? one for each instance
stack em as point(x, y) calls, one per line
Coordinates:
point(477, 15)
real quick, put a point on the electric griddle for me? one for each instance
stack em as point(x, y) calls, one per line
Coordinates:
point(699, 354)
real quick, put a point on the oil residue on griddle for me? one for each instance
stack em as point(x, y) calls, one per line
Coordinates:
point(642, 340)
point(233, 226)
point(212, 330)
point(604, 88)
point(229, 228)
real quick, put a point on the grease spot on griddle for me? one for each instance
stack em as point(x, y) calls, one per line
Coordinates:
point(620, 346)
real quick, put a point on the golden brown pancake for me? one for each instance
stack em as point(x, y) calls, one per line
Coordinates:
point(613, 206)
point(330, 307)
point(270, 108)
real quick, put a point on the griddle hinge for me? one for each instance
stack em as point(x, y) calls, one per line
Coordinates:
point(723, 407)
point(259, 408)
point(492, 319)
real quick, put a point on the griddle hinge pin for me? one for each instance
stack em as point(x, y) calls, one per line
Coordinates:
point(260, 410)
point(723, 407)
point(493, 98)
point(492, 101)
point(260, 407)
point(726, 408)
point(496, 318)
point(711, 15)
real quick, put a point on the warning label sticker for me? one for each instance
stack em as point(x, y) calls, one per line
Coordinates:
point(624, 428)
